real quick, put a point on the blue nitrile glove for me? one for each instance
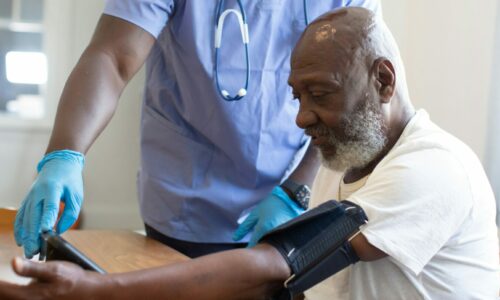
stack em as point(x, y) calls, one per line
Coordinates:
point(276, 209)
point(59, 178)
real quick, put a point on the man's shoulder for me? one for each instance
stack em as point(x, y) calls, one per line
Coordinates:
point(422, 140)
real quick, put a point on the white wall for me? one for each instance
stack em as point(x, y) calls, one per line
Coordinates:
point(447, 47)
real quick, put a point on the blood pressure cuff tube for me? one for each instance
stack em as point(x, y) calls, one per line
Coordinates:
point(316, 244)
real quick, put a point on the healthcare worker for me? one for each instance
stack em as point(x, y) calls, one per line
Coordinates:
point(218, 139)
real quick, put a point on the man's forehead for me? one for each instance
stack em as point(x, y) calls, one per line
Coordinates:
point(318, 57)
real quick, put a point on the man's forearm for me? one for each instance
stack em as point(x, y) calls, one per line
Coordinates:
point(254, 273)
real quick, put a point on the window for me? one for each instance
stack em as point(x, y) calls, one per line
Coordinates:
point(23, 64)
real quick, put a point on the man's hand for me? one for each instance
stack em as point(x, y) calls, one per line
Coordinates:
point(59, 178)
point(276, 209)
point(51, 281)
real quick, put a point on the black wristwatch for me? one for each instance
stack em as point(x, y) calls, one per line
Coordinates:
point(301, 193)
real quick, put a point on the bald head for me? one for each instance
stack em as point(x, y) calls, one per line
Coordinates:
point(346, 35)
point(347, 73)
point(345, 28)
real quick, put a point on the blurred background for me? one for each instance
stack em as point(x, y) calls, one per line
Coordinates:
point(451, 49)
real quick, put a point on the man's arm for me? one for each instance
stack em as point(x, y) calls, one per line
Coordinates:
point(315, 246)
point(238, 274)
point(116, 52)
point(253, 273)
point(366, 251)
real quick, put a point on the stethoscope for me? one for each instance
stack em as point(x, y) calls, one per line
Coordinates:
point(245, 37)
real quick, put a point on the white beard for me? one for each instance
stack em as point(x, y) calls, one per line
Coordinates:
point(364, 139)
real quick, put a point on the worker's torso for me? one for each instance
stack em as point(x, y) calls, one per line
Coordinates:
point(205, 160)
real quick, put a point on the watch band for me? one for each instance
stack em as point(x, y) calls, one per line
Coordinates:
point(291, 185)
point(301, 193)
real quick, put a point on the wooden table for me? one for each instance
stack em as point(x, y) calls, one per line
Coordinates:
point(113, 250)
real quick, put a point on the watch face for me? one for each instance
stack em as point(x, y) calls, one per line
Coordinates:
point(302, 195)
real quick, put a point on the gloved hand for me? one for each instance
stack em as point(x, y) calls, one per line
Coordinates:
point(59, 178)
point(276, 209)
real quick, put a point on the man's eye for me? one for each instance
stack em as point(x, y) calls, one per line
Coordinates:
point(318, 95)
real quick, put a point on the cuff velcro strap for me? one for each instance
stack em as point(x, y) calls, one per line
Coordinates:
point(315, 245)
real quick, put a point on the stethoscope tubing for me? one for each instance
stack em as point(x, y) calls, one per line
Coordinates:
point(241, 15)
point(219, 25)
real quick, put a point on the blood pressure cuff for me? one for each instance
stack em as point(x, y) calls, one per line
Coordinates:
point(316, 244)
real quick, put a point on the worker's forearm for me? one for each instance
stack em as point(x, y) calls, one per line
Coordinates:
point(238, 274)
point(306, 170)
point(88, 102)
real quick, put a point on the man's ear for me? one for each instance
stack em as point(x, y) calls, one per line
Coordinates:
point(386, 79)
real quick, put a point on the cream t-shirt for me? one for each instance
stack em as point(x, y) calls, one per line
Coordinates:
point(432, 210)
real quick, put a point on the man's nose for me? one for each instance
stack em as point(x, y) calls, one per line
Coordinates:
point(305, 118)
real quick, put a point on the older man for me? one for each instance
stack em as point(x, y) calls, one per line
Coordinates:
point(431, 231)
point(430, 206)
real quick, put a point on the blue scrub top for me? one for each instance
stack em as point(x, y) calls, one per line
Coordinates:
point(206, 160)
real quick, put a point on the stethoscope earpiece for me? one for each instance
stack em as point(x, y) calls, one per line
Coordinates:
point(242, 92)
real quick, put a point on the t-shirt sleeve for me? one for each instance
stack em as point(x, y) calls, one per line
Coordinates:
point(150, 15)
point(415, 203)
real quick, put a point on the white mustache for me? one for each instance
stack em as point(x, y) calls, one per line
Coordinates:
point(318, 131)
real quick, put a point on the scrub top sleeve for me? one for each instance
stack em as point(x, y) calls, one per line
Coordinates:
point(150, 15)
point(373, 5)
